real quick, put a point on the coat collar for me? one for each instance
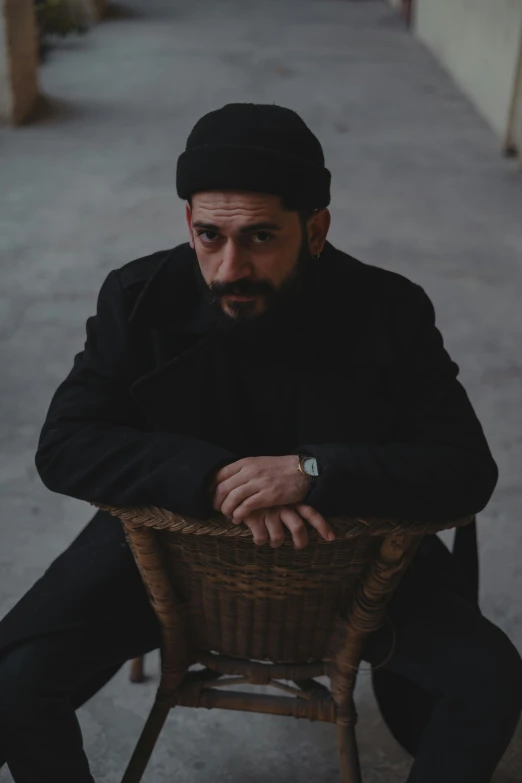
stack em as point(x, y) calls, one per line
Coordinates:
point(172, 297)
point(332, 321)
point(326, 362)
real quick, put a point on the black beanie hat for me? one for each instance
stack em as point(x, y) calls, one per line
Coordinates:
point(257, 147)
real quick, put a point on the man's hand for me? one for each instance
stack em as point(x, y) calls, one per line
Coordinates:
point(268, 524)
point(258, 483)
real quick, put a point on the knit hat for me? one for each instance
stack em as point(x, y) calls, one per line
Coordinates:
point(256, 147)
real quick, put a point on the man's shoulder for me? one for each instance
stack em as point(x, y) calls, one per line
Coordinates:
point(138, 272)
point(385, 303)
point(374, 281)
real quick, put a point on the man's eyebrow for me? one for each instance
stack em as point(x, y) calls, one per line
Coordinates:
point(253, 229)
point(207, 226)
point(260, 227)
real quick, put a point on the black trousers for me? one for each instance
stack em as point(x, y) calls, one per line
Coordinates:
point(466, 667)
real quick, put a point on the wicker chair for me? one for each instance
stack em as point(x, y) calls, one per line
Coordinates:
point(263, 616)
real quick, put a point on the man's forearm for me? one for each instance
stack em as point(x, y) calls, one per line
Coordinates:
point(402, 480)
point(122, 466)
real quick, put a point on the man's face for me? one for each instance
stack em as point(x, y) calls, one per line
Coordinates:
point(248, 247)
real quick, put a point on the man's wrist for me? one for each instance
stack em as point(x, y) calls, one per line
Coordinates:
point(308, 467)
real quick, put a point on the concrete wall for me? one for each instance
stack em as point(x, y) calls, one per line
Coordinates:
point(478, 41)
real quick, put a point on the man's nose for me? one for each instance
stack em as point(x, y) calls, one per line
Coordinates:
point(234, 263)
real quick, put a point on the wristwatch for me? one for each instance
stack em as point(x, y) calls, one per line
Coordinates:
point(308, 467)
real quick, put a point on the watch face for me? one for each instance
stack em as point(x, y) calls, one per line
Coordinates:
point(310, 466)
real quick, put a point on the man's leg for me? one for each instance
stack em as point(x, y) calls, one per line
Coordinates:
point(40, 682)
point(472, 671)
point(96, 623)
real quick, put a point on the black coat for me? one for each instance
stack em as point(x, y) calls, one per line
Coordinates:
point(148, 413)
point(355, 374)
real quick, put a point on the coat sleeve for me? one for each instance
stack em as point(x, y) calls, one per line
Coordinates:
point(441, 466)
point(94, 445)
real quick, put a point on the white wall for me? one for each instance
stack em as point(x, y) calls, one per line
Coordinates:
point(515, 130)
point(478, 41)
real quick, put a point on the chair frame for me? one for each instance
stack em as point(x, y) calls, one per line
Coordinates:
point(305, 698)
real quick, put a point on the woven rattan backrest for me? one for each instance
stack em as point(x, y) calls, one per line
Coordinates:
point(211, 584)
point(264, 603)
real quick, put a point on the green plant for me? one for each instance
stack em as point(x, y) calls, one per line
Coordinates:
point(59, 17)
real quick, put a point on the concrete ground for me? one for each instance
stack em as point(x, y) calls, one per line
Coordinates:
point(418, 187)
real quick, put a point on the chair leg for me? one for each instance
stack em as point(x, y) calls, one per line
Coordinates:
point(349, 753)
point(146, 743)
point(137, 674)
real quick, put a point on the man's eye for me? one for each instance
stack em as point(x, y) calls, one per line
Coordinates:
point(262, 237)
point(207, 236)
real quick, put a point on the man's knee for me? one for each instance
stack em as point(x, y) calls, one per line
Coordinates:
point(22, 671)
point(488, 675)
point(507, 671)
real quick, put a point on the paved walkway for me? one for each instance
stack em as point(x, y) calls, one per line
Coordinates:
point(418, 187)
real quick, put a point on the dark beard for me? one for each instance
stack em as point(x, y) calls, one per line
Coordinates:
point(279, 303)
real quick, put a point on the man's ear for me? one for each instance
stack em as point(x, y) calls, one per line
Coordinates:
point(317, 230)
point(188, 216)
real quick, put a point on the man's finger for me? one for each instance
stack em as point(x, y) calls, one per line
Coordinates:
point(224, 488)
point(220, 487)
point(249, 466)
point(255, 502)
point(258, 529)
point(228, 471)
point(236, 500)
point(296, 526)
point(275, 527)
point(316, 520)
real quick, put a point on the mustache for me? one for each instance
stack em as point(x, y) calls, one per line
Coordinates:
point(242, 288)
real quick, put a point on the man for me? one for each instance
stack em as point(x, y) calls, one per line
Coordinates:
point(260, 372)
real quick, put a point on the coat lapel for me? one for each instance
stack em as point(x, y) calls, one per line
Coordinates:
point(341, 395)
point(324, 383)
